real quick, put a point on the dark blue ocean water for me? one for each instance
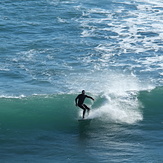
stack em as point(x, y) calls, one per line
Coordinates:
point(51, 50)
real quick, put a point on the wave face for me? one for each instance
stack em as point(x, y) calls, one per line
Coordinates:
point(152, 105)
point(59, 112)
point(36, 112)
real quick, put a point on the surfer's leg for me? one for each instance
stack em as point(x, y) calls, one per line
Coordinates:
point(84, 110)
point(84, 113)
point(86, 107)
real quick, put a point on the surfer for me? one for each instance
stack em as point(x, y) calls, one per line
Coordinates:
point(79, 100)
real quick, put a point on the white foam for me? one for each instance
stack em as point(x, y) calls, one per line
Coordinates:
point(118, 111)
point(61, 20)
point(155, 2)
point(128, 31)
point(12, 96)
point(156, 61)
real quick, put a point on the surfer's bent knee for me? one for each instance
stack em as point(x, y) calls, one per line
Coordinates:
point(82, 107)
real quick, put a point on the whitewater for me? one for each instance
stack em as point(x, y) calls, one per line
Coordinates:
point(51, 50)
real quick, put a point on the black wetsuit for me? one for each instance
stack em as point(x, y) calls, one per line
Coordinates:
point(80, 102)
point(81, 99)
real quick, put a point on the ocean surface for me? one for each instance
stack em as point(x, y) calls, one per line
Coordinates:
point(51, 50)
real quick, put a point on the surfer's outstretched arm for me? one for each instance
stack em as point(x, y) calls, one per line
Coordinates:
point(90, 97)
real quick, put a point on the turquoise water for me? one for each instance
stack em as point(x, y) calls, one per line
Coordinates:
point(51, 50)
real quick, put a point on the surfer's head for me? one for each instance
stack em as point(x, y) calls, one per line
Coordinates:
point(83, 92)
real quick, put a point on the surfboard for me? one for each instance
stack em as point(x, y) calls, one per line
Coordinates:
point(84, 120)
